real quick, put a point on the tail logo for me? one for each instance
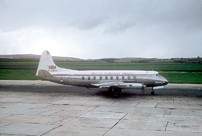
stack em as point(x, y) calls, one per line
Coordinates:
point(52, 68)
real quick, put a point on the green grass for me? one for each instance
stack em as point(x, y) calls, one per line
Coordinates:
point(174, 72)
point(132, 66)
point(158, 66)
point(183, 77)
point(17, 74)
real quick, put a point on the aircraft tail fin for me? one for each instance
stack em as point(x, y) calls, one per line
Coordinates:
point(46, 63)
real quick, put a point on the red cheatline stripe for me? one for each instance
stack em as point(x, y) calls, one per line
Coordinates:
point(99, 74)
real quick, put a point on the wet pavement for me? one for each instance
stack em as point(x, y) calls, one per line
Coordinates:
point(48, 109)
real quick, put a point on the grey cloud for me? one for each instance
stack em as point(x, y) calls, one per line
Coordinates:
point(90, 14)
point(87, 23)
point(163, 25)
point(118, 27)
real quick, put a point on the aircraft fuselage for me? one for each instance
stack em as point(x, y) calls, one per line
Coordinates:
point(113, 80)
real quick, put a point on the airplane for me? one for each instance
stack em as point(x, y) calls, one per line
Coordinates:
point(113, 80)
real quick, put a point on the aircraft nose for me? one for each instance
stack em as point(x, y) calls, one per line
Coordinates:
point(164, 81)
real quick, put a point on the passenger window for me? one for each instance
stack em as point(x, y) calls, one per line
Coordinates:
point(111, 77)
point(128, 77)
point(100, 77)
point(88, 77)
point(82, 77)
point(117, 77)
point(106, 77)
point(94, 77)
point(134, 77)
point(123, 77)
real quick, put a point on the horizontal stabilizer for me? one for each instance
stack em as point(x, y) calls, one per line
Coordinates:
point(44, 74)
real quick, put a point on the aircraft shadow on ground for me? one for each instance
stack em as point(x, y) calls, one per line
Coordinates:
point(122, 95)
point(79, 91)
point(162, 92)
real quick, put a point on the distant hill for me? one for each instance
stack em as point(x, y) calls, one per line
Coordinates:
point(33, 57)
point(133, 59)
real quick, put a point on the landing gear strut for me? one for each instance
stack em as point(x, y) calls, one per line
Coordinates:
point(152, 92)
point(114, 91)
point(143, 90)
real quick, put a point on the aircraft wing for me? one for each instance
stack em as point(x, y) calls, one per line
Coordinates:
point(120, 85)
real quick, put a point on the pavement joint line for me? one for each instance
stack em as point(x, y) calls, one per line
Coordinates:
point(40, 112)
point(137, 104)
point(171, 110)
point(115, 124)
point(5, 125)
point(91, 109)
point(156, 105)
point(50, 114)
point(112, 103)
point(173, 105)
point(166, 125)
point(174, 101)
point(80, 115)
point(85, 103)
point(70, 120)
point(56, 122)
point(51, 129)
point(14, 134)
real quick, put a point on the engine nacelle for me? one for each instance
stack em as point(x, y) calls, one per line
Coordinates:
point(158, 87)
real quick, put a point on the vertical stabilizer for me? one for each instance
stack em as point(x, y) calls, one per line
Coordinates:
point(46, 63)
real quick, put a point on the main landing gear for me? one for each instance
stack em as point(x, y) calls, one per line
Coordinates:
point(114, 91)
point(153, 92)
point(143, 90)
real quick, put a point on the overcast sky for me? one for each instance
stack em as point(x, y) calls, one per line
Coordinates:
point(102, 28)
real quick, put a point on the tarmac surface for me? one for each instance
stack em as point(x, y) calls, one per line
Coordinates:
point(48, 109)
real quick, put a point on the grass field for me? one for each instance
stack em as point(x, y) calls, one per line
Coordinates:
point(174, 72)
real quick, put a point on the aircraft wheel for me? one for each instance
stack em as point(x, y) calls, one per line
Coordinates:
point(152, 92)
point(114, 91)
